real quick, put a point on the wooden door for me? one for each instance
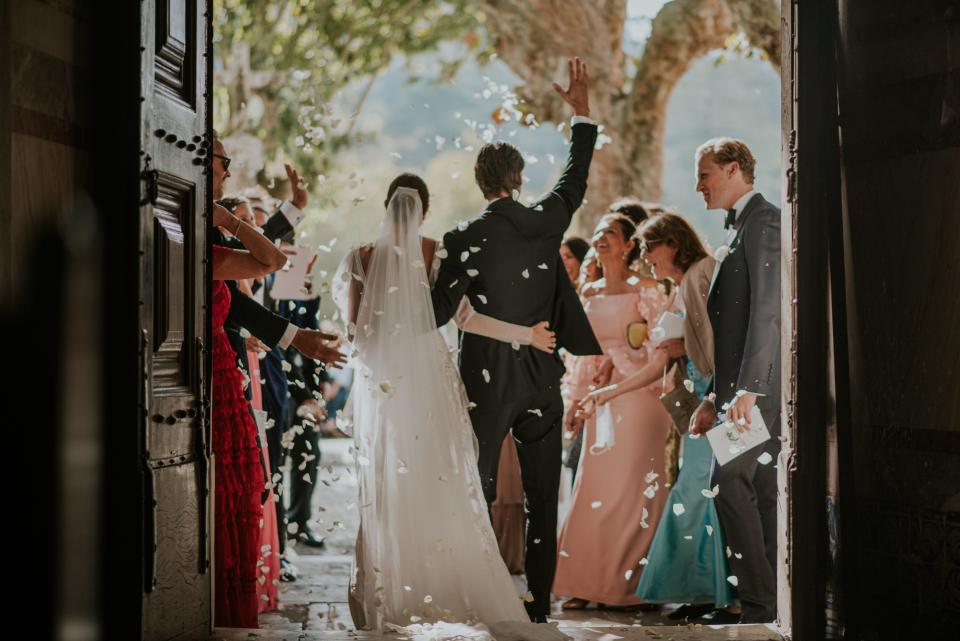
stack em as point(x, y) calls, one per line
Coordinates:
point(175, 147)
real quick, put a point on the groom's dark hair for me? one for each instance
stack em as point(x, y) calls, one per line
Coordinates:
point(499, 168)
point(413, 181)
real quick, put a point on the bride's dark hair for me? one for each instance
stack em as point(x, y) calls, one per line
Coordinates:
point(412, 181)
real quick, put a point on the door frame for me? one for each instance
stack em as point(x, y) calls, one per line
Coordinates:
point(811, 208)
point(813, 330)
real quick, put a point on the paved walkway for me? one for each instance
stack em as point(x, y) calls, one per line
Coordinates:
point(314, 607)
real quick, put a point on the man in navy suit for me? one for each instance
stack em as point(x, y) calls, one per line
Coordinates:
point(744, 310)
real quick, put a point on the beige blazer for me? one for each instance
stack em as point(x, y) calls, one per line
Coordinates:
point(697, 331)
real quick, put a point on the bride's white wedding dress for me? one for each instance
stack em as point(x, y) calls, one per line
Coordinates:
point(427, 562)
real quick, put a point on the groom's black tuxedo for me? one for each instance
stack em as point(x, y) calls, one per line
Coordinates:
point(507, 261)
point(744, 310)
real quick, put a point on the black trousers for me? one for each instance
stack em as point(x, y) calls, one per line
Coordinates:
point(747, 507)
point(304, 462)
point(536, 426)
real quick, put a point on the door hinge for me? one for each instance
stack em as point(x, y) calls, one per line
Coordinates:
point(152, 187)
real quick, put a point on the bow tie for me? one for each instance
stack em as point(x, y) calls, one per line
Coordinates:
point(730, 219)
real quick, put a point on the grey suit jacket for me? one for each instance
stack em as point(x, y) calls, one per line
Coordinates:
point(744, 309)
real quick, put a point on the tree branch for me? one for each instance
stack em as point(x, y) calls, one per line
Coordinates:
point(760, 21)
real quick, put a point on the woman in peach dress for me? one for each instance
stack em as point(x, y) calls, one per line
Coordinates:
point(619, 490)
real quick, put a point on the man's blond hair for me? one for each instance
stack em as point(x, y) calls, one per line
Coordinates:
point(727, 150)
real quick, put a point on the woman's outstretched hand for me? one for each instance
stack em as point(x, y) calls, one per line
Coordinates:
point(594, 399)
point(543, 338)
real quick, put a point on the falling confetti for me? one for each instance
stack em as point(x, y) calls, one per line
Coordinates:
point(628, 574)
point(732, 579)
point(765, 458)
point(486, 376)
point(525, 273)
point(678, 509)
point(709, 530)
point(596, 504)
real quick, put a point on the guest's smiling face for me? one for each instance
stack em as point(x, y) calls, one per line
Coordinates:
point(570, 263)
point(608, 240)
point(716, 183)
point(659, 256)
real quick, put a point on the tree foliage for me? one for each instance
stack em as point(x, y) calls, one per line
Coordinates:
point(280, 62)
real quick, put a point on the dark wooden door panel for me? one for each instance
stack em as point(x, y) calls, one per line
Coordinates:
point(176, 51)
point(174, 317)
point(180, 602)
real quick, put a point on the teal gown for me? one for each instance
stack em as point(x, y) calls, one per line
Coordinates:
point(687, 560)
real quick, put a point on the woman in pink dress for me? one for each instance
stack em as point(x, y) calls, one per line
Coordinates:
point(618, 491)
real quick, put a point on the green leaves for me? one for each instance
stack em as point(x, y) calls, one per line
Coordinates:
point(275, 57)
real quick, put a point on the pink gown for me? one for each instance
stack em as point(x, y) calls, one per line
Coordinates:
point(268, 561)
point(619, 492)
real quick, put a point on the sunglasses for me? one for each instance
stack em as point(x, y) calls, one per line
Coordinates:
point(648, 245)
point(226, 161)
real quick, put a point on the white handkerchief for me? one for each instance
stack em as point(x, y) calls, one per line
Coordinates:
point(605, 438)
point(261, 417)
point(728, 442)
point(295, 280)
point(669, 326)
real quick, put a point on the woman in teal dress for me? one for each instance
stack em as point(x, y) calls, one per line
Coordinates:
point(687, 560)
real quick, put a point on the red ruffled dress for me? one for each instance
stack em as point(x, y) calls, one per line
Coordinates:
point(239, 478)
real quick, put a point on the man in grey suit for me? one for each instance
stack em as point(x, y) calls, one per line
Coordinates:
point(744, 310)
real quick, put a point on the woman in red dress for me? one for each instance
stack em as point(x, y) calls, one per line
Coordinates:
point(239, 477)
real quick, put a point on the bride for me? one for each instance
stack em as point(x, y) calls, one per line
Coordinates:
point(426, 560)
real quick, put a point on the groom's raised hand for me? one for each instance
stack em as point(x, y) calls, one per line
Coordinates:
point(575, 94)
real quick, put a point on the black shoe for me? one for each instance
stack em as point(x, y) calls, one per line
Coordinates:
point(690, 611)
point(720, 617)
point(758, 617)
point(288, 571)
point(539, 618)
point(309, 538)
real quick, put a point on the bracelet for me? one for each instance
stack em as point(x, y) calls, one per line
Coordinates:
point(237, 230)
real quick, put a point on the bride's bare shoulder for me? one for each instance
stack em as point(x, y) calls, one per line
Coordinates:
point(364, 252)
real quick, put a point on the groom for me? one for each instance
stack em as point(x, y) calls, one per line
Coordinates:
point(507, 260)
point(744, 310)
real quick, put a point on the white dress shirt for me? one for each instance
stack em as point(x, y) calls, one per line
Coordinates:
point(742, 202)
point(293, 215)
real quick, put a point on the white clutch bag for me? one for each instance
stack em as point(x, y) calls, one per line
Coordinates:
point(669, 326)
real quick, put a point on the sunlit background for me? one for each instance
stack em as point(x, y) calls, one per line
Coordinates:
point(412, 117)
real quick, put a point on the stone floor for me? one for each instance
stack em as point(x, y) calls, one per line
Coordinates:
point(314, 607)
